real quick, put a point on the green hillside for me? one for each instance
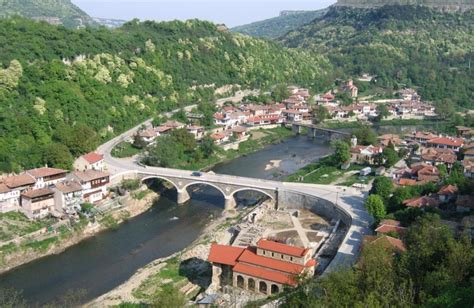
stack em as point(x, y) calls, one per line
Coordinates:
point(450, 5)
point(62, 91)
point(55, 11)
point(278, 26)
point(402, 45)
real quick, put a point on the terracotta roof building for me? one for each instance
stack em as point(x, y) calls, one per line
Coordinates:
point(266, 268)
point(389, 225)
point(386, 241)
point(423, 201)
point(90, 161)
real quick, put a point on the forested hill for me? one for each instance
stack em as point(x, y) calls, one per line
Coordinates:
point(446, 5)
point(402, 45)
point(278, 26)
point(62, 91)
point(54, 11)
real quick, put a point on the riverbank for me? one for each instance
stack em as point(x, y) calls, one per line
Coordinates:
point(14, 255)
point(260, 138)
point(182, 270)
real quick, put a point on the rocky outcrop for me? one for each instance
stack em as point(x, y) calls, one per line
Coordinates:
point(451, 5)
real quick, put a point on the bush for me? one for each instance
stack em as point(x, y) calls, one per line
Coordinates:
point(130, 185)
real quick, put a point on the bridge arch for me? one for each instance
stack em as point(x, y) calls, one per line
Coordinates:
point(272, 197)
point(160, 178)
point(205, 184)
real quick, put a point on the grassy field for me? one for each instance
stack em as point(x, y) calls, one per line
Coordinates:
point(124, 149)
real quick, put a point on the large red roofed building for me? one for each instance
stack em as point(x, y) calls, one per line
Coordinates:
point(266, 268)
point(454, 144)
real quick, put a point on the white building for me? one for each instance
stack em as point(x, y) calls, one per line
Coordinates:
point(11, 189)
point(47, 177)
point(93, 183)
point(90, 161)
point(68, 197)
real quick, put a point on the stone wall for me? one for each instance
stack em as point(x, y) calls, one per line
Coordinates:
point(296, 200)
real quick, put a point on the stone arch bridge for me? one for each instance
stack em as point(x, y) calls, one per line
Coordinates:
point(226, 184)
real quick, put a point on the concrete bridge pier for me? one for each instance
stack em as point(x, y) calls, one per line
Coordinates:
point(230, 203)
point(296, 129)
point(311, 132)
point(183, 196)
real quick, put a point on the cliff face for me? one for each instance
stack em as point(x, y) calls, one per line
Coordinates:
point(445, 5)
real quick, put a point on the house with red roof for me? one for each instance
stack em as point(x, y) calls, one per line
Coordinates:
point(454, 144)
point(37, 203)
point(447, 193)
point(385, 241)
point(90, 161)
point(266, 268)
point(420, 202)
point(387, 226)
point(46, 176)
point(11, 188)
point(362, 154)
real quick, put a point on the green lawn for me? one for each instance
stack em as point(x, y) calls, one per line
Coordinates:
point(124, 149)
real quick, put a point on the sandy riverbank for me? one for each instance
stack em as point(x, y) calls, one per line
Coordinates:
point(131, 209)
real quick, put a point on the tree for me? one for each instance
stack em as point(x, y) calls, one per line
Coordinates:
point(57, 155)
point(342, 152)
point(280, 92)
point(184, 138)
point(365, 135)
point(375, 206)
point(320, 114)
point(165, 153)
point(390, 156)
point(382, 186)
point(138, 142)
point(207, 146)
point(382, 112)
point(180, 116)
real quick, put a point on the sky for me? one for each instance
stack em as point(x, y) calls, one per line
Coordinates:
point(230, 12)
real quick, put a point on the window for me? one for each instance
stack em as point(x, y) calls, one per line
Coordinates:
point(273, 254)
point(291, 258)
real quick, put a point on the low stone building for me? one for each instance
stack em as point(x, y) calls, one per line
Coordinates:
point(266, 268)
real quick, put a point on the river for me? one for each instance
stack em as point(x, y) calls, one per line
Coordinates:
point(108, 259)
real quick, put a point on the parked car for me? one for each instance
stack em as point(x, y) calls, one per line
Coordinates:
point(196, 173)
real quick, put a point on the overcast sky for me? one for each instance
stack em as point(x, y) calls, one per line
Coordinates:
point(230, 12)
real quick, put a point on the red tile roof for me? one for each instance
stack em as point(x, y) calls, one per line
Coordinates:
point(19, 180)
point(407, 182)
point(421, 202)
point(388, 228)
point(386, 241)
point(224, 254)
point(281, 248)
point(45, 172)
point(93, 157)
point(250, 257)
point(448, 190)
point(264, 274)
point(454, 142)
point(38, 193)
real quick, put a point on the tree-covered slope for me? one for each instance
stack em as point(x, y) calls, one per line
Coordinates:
point(68, 14)
point(62, 91)
point(449, 5)
point(402, 45)
point(278, 26)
